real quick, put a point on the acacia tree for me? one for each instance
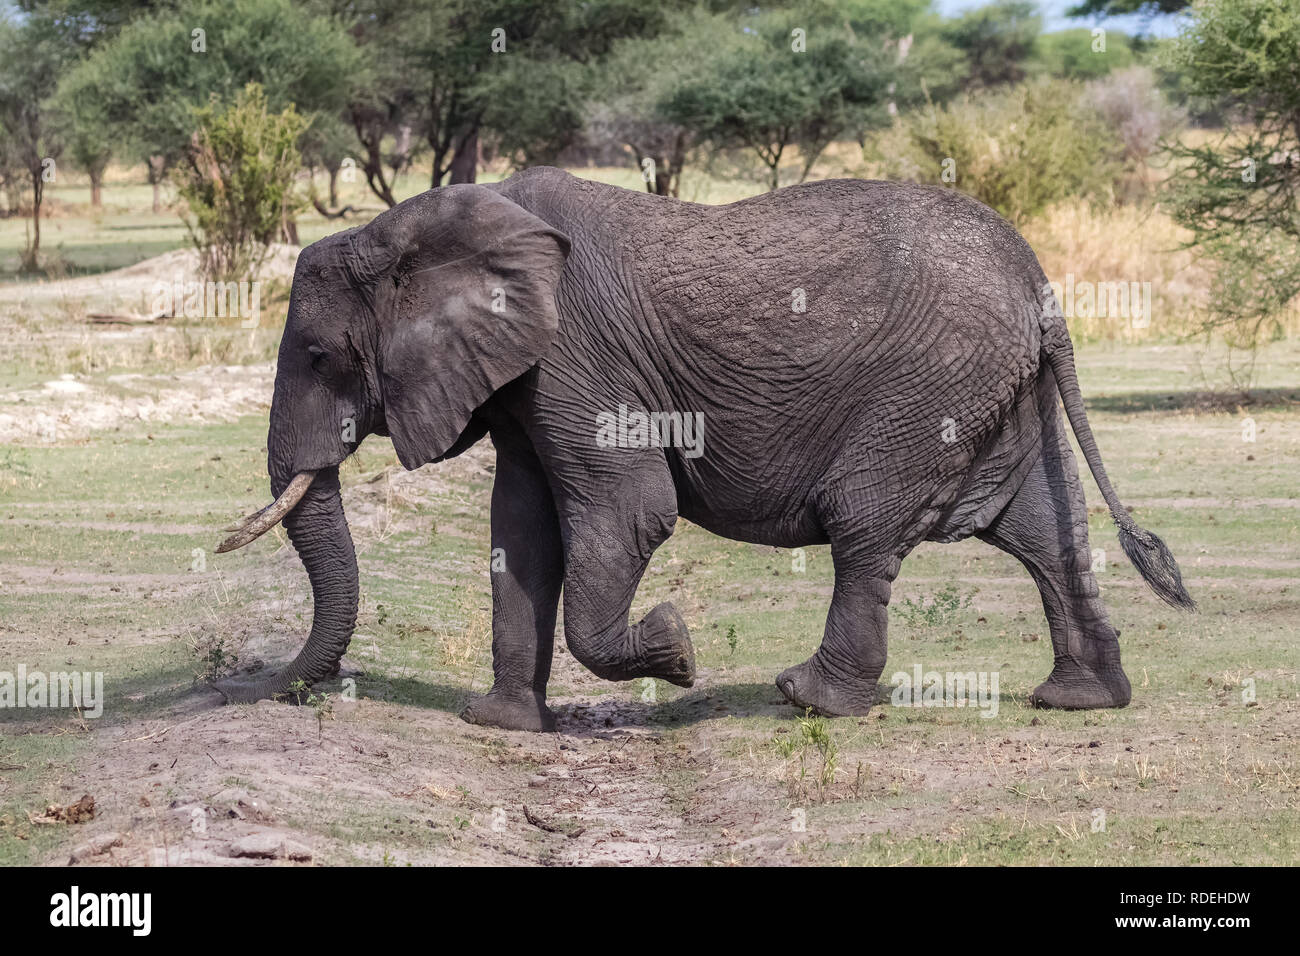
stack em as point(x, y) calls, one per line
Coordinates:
point(783, 80)
point(326, 144)
point(1115, 8)
point(152, 74)
point(90, 137)
point(634, 82)
point(1240, 195)
point(34, 52)
point(997, 40)
point(448, 76)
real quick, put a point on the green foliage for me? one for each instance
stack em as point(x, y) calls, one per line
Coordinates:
point(91, 138)
point(322, 705)
point(1240, 194)
point(818, 757)
point(1074, 54)
point(34, 52)
point(782, 80)
point(533, 100)
point(625, 93)
point(237, 180)
point(451, 73)
point(996, 39)
point(157, 70)
point(1015, 150)
point(217, 656)
point(941, 610)
point(1114, 8)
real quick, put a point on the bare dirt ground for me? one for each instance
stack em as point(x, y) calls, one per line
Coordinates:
point(68, 408)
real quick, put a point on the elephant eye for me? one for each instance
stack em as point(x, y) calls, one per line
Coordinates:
point(317, 355)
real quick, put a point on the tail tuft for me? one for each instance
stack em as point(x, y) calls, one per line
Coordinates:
point(1154, 562)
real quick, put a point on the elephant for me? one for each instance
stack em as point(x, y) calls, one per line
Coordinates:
point(856, 363)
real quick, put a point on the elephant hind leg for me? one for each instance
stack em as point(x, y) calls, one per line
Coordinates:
point(1045, 527)
point(840, 679)
point(607, 549)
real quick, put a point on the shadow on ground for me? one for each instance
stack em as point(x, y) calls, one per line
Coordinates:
point(1195, 401)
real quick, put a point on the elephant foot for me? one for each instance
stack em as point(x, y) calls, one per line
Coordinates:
point(666, 649)
point(806, 686)
point(526, 711)
point(1075, 687)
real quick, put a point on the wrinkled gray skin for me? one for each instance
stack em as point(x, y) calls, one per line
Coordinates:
point(915, 398)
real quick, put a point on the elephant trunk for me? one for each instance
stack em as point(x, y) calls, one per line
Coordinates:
point(319, 532)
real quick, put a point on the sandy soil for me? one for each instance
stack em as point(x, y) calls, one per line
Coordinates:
point(68, 408)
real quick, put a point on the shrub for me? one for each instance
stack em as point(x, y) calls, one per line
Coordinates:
point(1017, 150)
point(1238, 193)
point(237, 182)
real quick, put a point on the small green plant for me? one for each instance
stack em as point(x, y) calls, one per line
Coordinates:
point(322, 704)
point(217, 656)
point(731, 637)
point(812, 744)
point(941, 610)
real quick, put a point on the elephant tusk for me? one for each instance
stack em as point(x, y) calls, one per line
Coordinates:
point(255, 525)
point(246, 520)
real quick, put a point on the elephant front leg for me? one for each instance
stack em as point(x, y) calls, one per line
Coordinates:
point(527, 573)
point(608, 550)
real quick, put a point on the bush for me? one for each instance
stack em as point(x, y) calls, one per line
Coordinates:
point(1237, 193)
point(1073, 54)
point(1133, 106)
point(238, 183)
point(1130, 101)
point(1017, 150)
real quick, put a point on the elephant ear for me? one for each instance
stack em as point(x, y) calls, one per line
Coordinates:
point(463, 283)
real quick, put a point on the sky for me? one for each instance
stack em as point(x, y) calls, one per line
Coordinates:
point(1054, 17)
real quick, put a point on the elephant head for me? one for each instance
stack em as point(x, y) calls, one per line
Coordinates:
point(403, 328)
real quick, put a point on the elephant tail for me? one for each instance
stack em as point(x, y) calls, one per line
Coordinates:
point(1148, 553)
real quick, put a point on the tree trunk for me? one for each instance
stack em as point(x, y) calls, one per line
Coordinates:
point(373, 164)
point(464, 165)
point(157, 166)
point(96, 188)
point(334, 187)
point(319, 532)
point(31, 255)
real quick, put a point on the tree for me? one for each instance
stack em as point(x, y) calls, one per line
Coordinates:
point(34, 52)
point(794, 78)
point(997, 40)
point(90, 137)
point(443, 76)
point(534, 99)
point(159, 67)
point(326, 144)
point(1118, 8)
point(626, 103)
point(1240, 194)
point(1078, 55)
